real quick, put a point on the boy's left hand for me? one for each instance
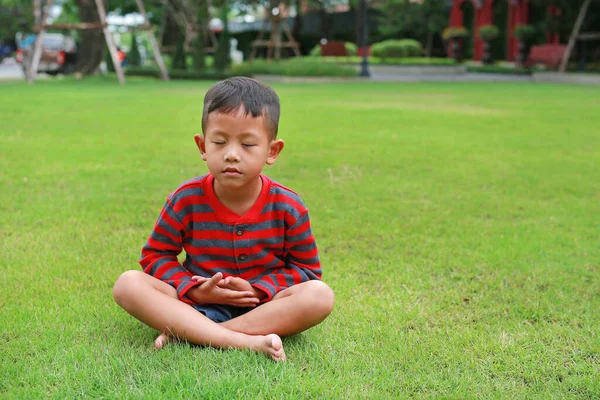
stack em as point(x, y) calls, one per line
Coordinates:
point(234, 283)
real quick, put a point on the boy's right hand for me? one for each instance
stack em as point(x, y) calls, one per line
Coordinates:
point(209, 292)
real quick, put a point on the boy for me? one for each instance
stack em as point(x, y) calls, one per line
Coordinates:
point(252, 272)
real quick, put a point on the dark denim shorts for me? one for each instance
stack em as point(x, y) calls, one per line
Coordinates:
point(221, 313)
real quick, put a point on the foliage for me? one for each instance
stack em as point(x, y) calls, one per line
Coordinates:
point(455, 32)
point(524, 32)
point(179, 74)
point(562, 23)
point(133, 57)
point(179, 57)
point(402, 18)
point(222, 55)
point(351, 48)
point(110, 65)
point(457, 225)
point(488, 32)
point(199, 56)
point(397, 48)
point(15, 16)
point(293, 67)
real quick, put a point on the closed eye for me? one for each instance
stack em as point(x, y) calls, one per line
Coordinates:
point(248, 145)
point(218, 142)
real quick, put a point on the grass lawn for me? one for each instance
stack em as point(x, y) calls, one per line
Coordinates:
point(458, 225)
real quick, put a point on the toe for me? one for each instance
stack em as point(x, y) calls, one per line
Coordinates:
point(160, 341)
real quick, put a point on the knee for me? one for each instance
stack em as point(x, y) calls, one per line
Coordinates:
point(322, 297)
point(126, 285)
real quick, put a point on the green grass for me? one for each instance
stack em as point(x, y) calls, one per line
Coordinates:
point(458, 225)
point(306, 66)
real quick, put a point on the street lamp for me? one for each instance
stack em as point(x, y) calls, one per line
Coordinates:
point(364, 67)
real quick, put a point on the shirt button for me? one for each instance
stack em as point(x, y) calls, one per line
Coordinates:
point(240, 232)
point(242, 257)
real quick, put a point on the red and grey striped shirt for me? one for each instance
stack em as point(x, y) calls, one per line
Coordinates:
point(271, 246)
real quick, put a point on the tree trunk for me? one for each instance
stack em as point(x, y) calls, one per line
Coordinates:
point(297, 31)
point(90, 50)
point(324, 17)
point(429, 43)
point(199, 44)
point(359, 25)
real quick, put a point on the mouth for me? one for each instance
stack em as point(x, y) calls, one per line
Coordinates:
point(231, 171)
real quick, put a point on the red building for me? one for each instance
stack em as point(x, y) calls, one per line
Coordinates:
point(505, 14)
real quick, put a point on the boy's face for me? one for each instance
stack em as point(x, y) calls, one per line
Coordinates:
point(236, 147)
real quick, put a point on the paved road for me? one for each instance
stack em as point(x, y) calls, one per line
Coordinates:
point(11, 71)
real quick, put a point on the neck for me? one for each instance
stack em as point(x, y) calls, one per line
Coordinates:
point(239, 200)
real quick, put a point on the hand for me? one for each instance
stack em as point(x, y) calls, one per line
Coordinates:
point(239, 284)
point(234, 283)
point(210, 292)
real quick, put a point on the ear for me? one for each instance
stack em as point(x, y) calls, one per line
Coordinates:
point(275, 148)
point(201, 145)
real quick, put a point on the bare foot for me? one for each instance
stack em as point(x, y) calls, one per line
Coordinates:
point(161, 340)
point(271, 345)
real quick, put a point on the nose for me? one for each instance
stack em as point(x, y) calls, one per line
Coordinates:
point(232, 154)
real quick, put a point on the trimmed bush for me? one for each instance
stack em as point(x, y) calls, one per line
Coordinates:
point(180, 74)
point(293, 67)
point(524, 32)
point(455, 32)
point(397, 48)
point(488, 32)
point(351, 48)
point(315, 51)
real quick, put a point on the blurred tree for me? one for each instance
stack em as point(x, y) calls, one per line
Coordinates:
point(199, 59)
point(417, 19)
point(90, 49)
point(92, 44)
point(179, 57)
point(324, 7)
point(133, 57)
point(563, 20)
point(15, 16)
point(222, 56)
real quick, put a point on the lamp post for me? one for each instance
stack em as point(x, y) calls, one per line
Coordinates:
point(364, 67)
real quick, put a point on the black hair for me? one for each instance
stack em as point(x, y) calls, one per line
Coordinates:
point(256, 98)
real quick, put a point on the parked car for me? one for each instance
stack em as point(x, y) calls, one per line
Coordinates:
point(58, 53)
point(5, 50)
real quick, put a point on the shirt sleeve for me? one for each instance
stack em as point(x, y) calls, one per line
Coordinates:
point(302, 261)
point(159, 254)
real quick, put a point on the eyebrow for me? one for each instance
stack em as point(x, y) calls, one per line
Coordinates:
point(241, 135)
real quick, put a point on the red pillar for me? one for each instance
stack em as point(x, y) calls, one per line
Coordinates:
point(483, 16)
point(456, 14)
point(518, 14)
point(456, 19)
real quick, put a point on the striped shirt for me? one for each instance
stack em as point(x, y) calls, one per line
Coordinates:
point(271, 246)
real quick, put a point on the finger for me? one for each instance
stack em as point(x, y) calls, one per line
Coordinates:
point(244, 305)
point(247, 302)
point(244, 302)
point(234, 294)
point(199, 278)
point(214, 280)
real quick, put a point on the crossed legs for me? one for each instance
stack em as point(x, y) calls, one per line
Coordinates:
point(291, 311)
